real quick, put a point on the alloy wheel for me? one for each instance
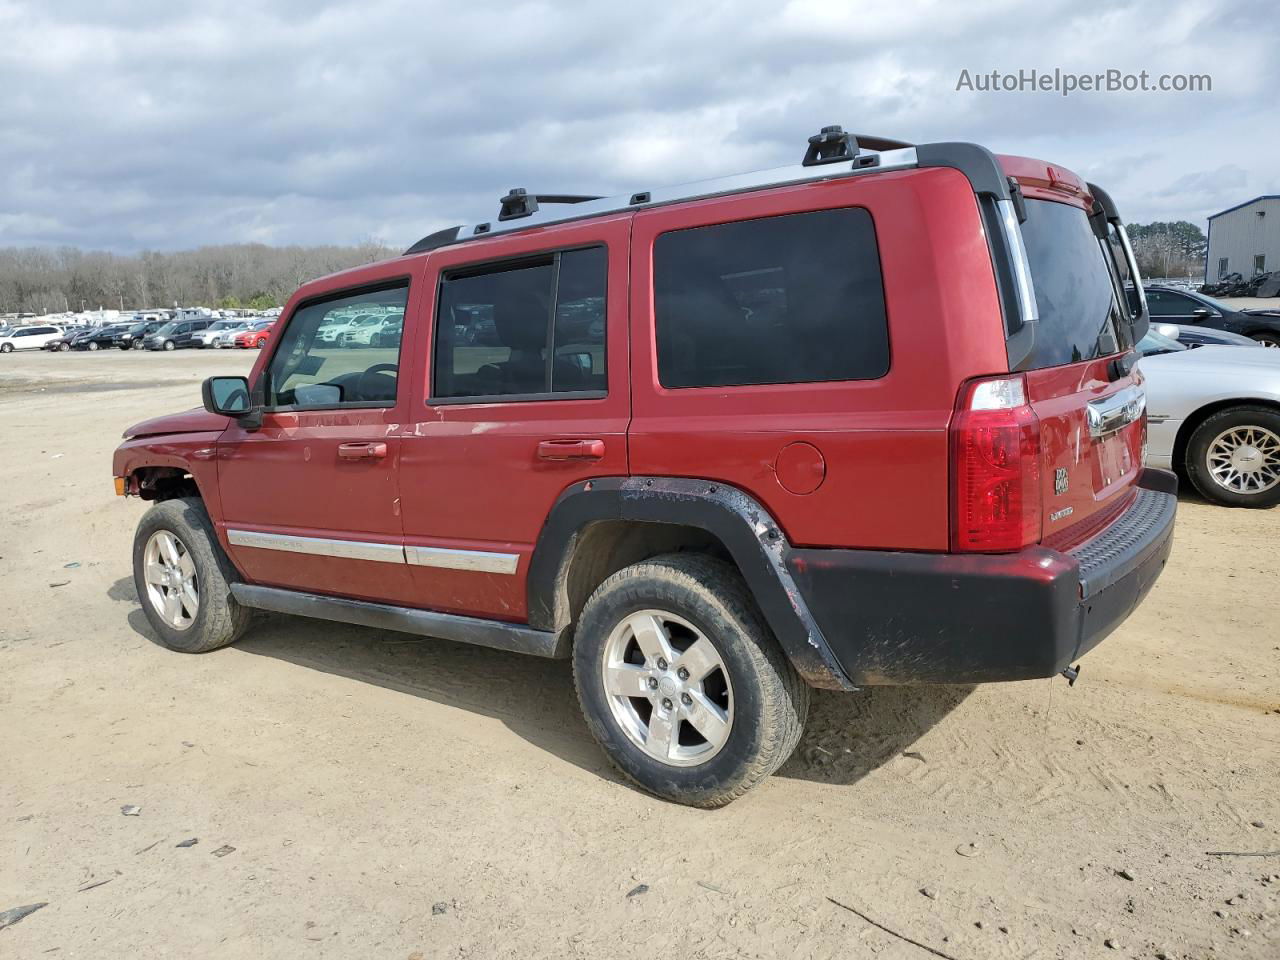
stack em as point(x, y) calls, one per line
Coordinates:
point(1245, 459)
point(170, 574)
point(667, 688)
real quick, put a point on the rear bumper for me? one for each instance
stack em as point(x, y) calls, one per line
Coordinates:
point(909, 618)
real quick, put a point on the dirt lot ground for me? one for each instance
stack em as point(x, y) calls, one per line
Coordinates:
point(393, 797)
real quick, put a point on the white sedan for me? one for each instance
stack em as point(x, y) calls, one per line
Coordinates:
point(1213, 413)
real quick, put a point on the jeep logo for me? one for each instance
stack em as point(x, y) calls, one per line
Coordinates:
point(1060, 481)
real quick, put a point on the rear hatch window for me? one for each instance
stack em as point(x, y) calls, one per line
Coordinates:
point(1090, 425)
point(1081, 313)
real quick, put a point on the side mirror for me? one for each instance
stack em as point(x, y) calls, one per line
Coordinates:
point(229, 397)
point(1169, 330)
point(1201, 312)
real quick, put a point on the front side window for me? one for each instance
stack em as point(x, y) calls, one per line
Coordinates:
point(523, 328)
point(309, 370)
point(788, 299)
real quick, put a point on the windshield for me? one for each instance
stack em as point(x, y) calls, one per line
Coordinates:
point(166, 329)
point(1155, 342)
point(1080, 313)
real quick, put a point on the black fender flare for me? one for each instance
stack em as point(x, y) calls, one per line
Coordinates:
point(753, 539)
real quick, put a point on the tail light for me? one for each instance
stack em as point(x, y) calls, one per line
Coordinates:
point(995, 468)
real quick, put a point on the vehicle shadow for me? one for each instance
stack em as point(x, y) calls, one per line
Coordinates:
point(848, 735)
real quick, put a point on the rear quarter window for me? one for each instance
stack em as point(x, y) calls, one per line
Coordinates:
point(788, 299)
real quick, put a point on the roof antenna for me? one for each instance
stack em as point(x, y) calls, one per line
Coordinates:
point(832, 145)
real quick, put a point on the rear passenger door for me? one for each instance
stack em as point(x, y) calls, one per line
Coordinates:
point(525, 393)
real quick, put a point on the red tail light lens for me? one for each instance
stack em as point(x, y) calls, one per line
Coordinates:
point(995, 468)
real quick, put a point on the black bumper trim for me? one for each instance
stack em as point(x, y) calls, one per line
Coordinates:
point(911, 618)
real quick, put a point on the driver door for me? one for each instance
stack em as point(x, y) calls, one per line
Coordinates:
point(311, 500)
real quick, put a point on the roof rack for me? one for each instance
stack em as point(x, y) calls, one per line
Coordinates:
point(520, 203)
point(831, 153)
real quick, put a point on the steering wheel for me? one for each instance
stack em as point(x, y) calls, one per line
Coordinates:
point(366, 385)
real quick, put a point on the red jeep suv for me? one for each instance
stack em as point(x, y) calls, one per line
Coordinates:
point(867, 419)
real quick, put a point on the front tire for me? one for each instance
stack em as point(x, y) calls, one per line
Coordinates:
point(1268, 339)
point(182, 578)
point(1233, 457)
point(93, 344)
point(682, 683)
point(170, 345)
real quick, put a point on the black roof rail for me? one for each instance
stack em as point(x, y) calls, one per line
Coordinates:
point(520, 203)
point(441, 238)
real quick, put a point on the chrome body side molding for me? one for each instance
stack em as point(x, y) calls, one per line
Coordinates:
point(478, 561)
point(319, 546)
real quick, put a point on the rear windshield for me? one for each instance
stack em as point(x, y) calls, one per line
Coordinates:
point(1080, 312)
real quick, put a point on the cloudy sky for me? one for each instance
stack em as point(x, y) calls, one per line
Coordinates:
point(131, 124)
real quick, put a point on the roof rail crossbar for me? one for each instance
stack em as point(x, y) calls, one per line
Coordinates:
point(880, 144)
point(520, 203)
point(830, 145)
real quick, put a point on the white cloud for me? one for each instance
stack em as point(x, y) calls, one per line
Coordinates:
point(151, 124)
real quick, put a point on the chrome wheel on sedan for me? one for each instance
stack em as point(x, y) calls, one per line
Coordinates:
point(1245, 459)
point(170, 575)
point(667, 688)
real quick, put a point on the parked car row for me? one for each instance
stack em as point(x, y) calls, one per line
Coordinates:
point(141, 335)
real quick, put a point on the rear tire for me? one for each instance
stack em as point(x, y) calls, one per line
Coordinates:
point(6, 348)
point(163, 571)
point(1235, 450)
point(662, 732)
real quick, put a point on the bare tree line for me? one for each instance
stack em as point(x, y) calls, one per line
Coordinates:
point(43, 280)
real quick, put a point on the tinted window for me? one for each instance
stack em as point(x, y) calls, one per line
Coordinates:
point(308, 370)
point(789, 299)
point(529, 327)
point(1080, 313)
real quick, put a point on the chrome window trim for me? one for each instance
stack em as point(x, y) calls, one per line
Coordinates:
point(1023, 283)
point(318, 546)
point(476, 561)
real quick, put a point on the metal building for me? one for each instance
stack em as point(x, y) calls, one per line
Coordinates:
point(1244, 239)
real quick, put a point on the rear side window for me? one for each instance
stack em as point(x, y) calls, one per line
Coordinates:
point(789, 299)
point(1080, 313)
point(524, 328)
